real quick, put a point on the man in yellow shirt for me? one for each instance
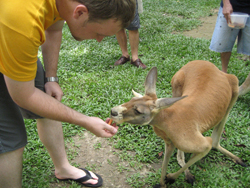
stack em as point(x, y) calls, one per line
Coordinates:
point(24, 26)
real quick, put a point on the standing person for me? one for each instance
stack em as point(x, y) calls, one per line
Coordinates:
point(23, 28)
point(224, 37)
point(133, 31)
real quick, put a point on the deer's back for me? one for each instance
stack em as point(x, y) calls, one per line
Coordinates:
point(209, 92)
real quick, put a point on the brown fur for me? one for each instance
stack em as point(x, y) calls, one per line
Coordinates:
point(202, 99)
point(245, 87)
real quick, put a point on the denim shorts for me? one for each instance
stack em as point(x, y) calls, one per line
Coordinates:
point(224, 37)
point(135, 24)
point(12, 129)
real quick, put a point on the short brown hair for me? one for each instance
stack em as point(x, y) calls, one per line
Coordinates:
point(122, 10)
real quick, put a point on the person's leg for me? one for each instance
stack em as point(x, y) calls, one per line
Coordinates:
point(134, 43)
point(13, 139)
point(223, 39)
point(51, 134)
point(11, 168)
point(243, 47)
point(133, 29)
point(121, 37)
point(225, 57)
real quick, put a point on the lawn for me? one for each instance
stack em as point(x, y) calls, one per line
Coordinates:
point(92, 85)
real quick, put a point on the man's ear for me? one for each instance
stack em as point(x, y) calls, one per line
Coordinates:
point(80, 10)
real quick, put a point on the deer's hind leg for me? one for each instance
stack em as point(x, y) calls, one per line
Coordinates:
point(216, 134)
point(245, 87)
point(181, 160)
point(216, 142)
point(199, 146)
point(177, 83)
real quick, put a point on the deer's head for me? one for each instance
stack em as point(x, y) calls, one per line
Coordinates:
point(142, 109)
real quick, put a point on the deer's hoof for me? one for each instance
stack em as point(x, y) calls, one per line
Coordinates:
point(169, 180)
point(190, 179)
point(157, 186)
point(240, 162)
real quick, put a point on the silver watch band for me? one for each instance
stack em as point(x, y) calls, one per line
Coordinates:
point(52, 79)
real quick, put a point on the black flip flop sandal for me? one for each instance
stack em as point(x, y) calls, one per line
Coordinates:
point(86, 178)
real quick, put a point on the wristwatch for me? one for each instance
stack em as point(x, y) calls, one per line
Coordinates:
point(52, 79)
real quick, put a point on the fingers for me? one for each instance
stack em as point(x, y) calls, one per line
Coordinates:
point(110, 130)
point(227, 10)
point(228, 18)
point(108, 121)
point(58, 97)
point(54, 90)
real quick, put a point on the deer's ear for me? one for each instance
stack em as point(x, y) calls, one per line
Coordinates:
point(167, 102)
point(136, 94)
point(150, 82)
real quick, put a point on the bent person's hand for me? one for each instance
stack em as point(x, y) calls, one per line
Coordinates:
point(101, 128)
point(53, 89)
point(109, 121)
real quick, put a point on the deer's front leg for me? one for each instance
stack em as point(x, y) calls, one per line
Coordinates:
point(169, 148)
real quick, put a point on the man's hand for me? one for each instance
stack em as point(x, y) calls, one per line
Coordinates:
point(53, 89)
point(227, 10)
point(101, 128)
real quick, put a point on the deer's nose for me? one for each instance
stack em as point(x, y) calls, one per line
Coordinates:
point(114, 113)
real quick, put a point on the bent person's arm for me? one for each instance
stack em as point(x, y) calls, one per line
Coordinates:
point(50, 51)
point(27, 96)
point(51, 48)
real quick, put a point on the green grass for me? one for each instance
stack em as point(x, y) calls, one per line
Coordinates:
point(92, 85)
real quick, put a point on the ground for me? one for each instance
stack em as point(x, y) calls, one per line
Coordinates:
point(206, 29)
point(103, 160)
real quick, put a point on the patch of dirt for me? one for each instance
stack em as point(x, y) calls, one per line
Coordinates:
point(99, 155)
point(206, 29)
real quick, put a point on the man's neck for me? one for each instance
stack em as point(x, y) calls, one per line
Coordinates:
point(64, 8)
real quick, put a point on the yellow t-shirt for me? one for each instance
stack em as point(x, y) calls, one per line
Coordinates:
point(22, 31)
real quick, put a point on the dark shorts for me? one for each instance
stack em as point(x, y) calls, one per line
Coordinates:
point(12, 129)
point(39, 83)
point(135, 24)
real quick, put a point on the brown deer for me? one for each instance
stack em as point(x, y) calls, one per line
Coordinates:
point(202, 99)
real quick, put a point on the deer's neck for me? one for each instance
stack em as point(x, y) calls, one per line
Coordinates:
point(161, 119)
